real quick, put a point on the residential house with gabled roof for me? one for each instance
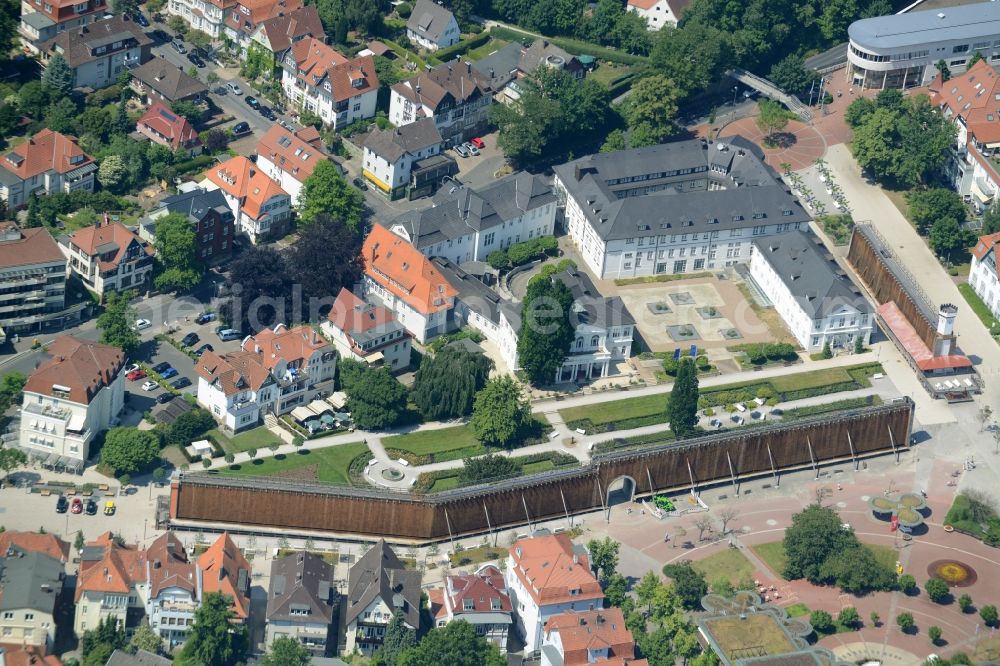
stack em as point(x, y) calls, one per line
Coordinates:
point(516, 61)
point(210, 218)
point(478, 598)
point(432, 26)
point(407, 160)
point(107, 257)
point(274, 372)
point(30, 584)
point(576, 638)
point(378, 586)
point(261, 208)
point(970, 101)
point(171, 130)
point(160, 80)
point(33, 270)
point(288, 159)
point(367, 332)
point(658, 13)
point(984, 277)
point(319, 80)
point(174, 589)
point(546, 576)
point(302, 601)
point(140, 658)
point(406, 282)
point(41, 20)
point(242, 20)
point(276, 36)
point(98, 52)
point(223, 569)
point(72, 396)
point(47, 162)
point(47, 544)
point(110, 585)
point(454, 94)
point(205, 15)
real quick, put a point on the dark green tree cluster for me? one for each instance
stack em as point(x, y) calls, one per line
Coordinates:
point(11, 385)
point(547, 329)
point(117, 322)
point(325, 258)
point(446, 383)
point(342, 16)
point(662, 631)
point(187, 427)
point(287, 651)
point(900, 140)
point(822, 551)
point(554, 112)
point(130, 450)
point(791, 75)
point(326, 192)
point(178, 265)
point(689, 584)
point(213, 639)
point(651, 110)
point(604, 557)
point(97, 645)
point(455, 644)
point(521, 253)
point(491, 467)
point(682, 404)
point(398, 639)
point(43, 211)
point(501, 416)
point(374, 397)
point(940, 214)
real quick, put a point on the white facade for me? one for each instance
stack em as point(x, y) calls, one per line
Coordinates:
point(371, 625)
point(171, 612)
point(16, 192)
point(286, 180)
point(92, 607)
point(393, 349)
point(657, 14)
point(839, 324)
point(422, 326)
point(133, 271)
point(273, 213)
point(201, 15)
point(391, 175)
point(456, 122)
point(983, 278)
point(320, 100)
point(449, 36)
point(66, 428)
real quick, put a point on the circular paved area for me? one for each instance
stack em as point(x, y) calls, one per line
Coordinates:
point(801, 144)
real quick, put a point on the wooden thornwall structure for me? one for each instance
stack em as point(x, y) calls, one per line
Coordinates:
point(713, 458)
point(888, 280)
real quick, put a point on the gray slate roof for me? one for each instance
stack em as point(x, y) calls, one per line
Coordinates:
point(927, 27)
point(459, 211)
point(301, 581)
point(77, 44)
point(749, 188)
point(29, 580)
point(197, 203)
point(811, 274)
point(429, 20)
point(169, 81)
point(140, 658)
point(503, 65)
point(589, 306)
point(471, 290)
point(380, 574)
point(394, 142)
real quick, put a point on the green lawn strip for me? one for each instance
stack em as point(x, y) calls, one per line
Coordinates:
point(332, 464)
point(480, 52)
point(448, 479)
point(773, 554)
point(444, 444)
point(258, 438)
point(980, 308)
point(826, 408)
point(649, 279)
point(405, 55)
point(630, 413)
point(478, 555)
point(730, 564)
point(797, 610)
point(330, 557)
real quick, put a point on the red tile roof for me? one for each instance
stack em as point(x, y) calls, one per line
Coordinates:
point(34, 246)
point(354, 315)
point(984, 245)
point(168, 128)
point(485, 591)
point(121, 568)
point(82, 366)
point(283, 31)
point(914, 345)
point(552, 571)
point(169, 566)
point(49, 544)
point(973, 97)
point(225, 570)
point(313, 58)
point(28, 656)
point(598, 630)
point(240, 178)
point(245, 16)
point(290, 153)
point(403, 270)
point(103, 239)
point(43, 152)
point(353, 78)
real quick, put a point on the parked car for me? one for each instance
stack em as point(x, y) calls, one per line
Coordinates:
point(135, 375)
point(76, 506)
point(227, 334)
point(196, 60)
point(164, 397)
point(109, 508)
point(91, 507)
point(267, 113)
point(235, 89)
point(461, 150)
point(360, 183)
point(478, 143)
point(190, 339)
point(178, 46)
point(141, 324)
point(62, 504)
point(160, 36)
point(204, 348)
point(168, 373)
point(472, 149)
point(149, 386)
point(253, 103)
point(241, 129)
point(181, 382)
point(160, 367)
point(205, 317)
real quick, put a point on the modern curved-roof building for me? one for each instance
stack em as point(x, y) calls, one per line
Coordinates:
point(901, 50)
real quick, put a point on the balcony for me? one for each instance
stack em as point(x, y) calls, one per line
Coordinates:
point(178, 606)
point(27, 281)
point(48, 411)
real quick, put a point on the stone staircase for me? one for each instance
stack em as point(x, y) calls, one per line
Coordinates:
point(273, 424)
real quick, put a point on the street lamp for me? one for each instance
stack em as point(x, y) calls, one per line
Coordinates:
point(736, 89)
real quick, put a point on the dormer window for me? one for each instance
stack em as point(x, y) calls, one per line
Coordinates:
point(468, 604)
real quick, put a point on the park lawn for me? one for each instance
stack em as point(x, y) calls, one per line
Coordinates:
point(617, 410)
point(808, 380)
point(332, 463)
point(476, 555)
point(438, 445)
point(480, 52)
point(773, 554)
point(443, 483)
point(730, 564)
point(797, 610)
point(258, 438)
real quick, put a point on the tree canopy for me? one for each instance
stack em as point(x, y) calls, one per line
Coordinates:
point(547, 329)
point(446, 383)
point(491, 467)
point(604, 557)
point(213, 639)
point(177, 254)
point(689, 584)
point(398, 639)
point(682, 403)
point(130, 450)
point(455, 644)
point(325, 257)
point(374, 397)
point(925, 207)
point(651, 110)
point(287, 651)
point(58, 77)
point(260, 284)
point(500, 413)
point(117, 323)
point(326, 192)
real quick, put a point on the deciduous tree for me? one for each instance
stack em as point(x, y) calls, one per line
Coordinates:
point(130, 450)
point(604, 557)
point(146, 639)
point(11, 459)
point(689, 584)
point(651, 110)
point(111, 172)
point(446, 383)
point(500, 414)
point(814, 534)
point(326, 192)
point(771, 117)
point(213, 639)
point(177, 254)
point(547, 329)
point(325, 257)
point(937, 590)
point(455, 644)
point(491, 467)
point(287, 651)
point(925, 207)
point(117, 323)
point(376, 400)
point(261, 290)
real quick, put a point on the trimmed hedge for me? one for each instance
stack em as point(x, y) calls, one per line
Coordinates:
point(573, 46)
point(444, 55)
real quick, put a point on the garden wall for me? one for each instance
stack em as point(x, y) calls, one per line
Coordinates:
point(206, 498)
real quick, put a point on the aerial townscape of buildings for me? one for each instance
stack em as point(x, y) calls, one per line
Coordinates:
point(624, 333)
